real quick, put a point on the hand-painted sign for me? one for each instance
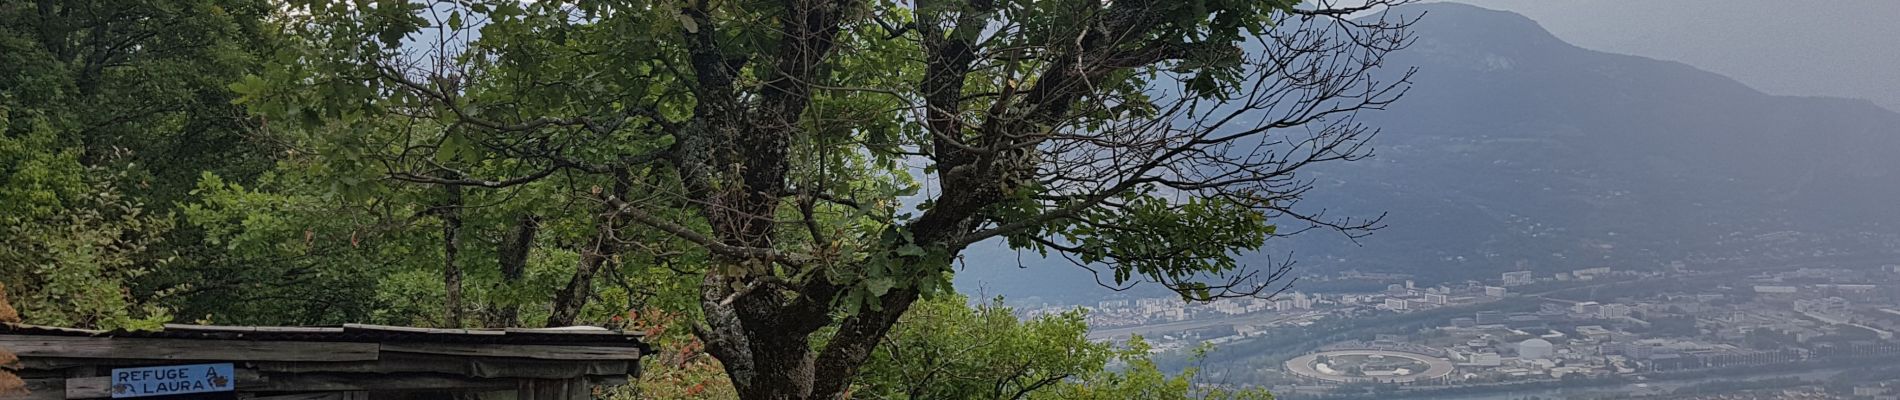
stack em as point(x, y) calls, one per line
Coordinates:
point(172, 379)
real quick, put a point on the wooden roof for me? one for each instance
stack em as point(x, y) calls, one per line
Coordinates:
point(351, 357)
point(361, 333)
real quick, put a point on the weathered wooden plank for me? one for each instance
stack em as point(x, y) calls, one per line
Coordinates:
point(318, 396)
point(301, 329)
point(184, 349)
point(62, 363)
point(376, 382)
point(210, 328)
point(571, 330)
point(394, 362)
point(543, 352)
point(250, 329)
point(17, 327)
point(88, 388)
point(40, 389)
point(101, 386)
point(409, 329)
point(34, 395)
point(339, 384)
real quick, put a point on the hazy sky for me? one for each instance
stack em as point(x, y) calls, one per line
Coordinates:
point(1840, 48)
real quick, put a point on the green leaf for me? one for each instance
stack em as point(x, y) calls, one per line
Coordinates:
point(910, 250)
point(878, 286)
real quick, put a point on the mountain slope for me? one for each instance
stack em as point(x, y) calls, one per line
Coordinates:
point(1516, 150)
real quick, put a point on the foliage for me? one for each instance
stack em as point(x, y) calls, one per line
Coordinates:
point(71, 244)
point(680, 367)
point(774, 144)
point(783, 182)
point(136, 85)
point(1140, 379)
point(108, 109)
point(293, 251)
point(947, 349)
point(10, 383)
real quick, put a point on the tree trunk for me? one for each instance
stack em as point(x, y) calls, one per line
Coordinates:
point(569, 301)
point(851, 346)
point(451, 271)
point(774, 362)
point(513, 260)
point(764, 341)
point(603, 248)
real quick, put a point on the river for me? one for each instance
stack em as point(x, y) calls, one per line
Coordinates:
point(1650, 388)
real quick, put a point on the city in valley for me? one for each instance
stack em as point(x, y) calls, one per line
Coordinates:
point(1817, 331)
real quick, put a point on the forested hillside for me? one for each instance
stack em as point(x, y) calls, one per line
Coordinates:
point(1518, 151)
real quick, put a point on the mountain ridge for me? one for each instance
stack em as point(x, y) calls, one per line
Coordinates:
point(1516, 150)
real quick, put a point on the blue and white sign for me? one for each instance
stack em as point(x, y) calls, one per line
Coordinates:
point(172, 379)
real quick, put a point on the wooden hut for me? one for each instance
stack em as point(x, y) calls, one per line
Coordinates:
point(352, 361)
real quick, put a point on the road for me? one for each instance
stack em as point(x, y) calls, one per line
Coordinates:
point(1177, 326)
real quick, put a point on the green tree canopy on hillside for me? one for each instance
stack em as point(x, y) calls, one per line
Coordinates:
point(825, 162)
point(109, 110)
point(794, 176)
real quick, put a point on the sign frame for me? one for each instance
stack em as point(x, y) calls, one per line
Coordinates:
point(169, 380)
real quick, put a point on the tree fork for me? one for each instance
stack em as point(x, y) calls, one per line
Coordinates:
point(513, 260)
point(569, 301)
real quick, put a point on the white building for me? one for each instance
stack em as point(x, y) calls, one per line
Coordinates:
point(1517, 278)
point(1230, 307)
point(1588, 273)
point(1587, 308)
point(1487, 359)
point(1831, 305)
point(1615, 311)
point(1535, 349)
point(1302, 301)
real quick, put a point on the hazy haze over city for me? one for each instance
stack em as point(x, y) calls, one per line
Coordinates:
point(1803, 48)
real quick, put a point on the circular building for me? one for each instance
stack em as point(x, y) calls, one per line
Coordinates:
point(1342, 366)
point(1535, 349)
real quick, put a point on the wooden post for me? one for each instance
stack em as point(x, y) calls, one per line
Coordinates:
point(552, 389)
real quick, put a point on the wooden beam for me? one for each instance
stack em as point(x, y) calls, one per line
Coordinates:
point(27, 346)
point(251, 381)
point(377, 382)
point(357, 395)
point(411, 329)
point(89, 388)
point(393, 363)
point(542, 352)
point(572, 330)
point(39, 389)
point(253, 329)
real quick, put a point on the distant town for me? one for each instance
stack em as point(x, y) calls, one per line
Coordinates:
point(1597, 332)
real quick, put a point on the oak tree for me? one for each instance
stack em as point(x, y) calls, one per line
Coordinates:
point(831, 159)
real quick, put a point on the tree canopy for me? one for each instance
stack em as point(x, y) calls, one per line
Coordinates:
point(790, 178)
